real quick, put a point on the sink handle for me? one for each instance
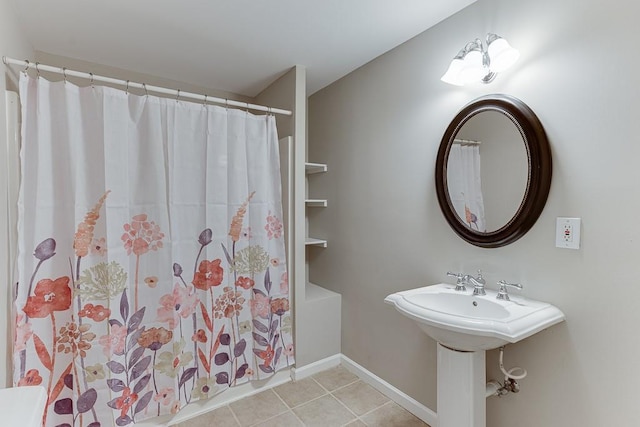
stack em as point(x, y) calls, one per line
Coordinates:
point(460, 279)
point(502, 293)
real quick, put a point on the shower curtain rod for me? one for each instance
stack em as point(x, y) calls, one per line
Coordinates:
point(466, 141)
point(129, 84)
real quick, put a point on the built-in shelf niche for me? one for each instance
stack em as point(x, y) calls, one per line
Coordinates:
point(311, 168)
point(316, 203)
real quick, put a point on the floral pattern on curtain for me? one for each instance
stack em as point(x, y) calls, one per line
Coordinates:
point(152, 269)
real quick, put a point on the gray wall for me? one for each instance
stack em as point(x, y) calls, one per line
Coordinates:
point(379, 128)
point(14, 44)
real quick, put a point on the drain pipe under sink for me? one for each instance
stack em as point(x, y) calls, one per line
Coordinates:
point(494, 388)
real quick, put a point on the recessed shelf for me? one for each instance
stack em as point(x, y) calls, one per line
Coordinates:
point(314, 292)
point(316, 203)
point(315, 168)
point(310, 241)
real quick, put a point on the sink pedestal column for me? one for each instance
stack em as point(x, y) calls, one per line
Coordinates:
point(461, 388)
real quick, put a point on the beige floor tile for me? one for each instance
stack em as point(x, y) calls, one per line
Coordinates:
point(360, 397)
point(288, 419)
point(335, 378)
point(221, 417)
point(356, 423)
point(390, 415)
point(257, 408)
point(325, 411)
point(296, 393)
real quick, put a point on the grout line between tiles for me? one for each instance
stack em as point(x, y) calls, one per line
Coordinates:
point(290, 408)
point(235, 417)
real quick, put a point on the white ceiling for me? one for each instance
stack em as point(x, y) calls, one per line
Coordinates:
point(240, 46)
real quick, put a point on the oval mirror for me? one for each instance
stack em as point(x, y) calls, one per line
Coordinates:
point(493, 171)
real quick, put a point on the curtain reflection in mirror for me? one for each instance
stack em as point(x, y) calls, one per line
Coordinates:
point(464, 182)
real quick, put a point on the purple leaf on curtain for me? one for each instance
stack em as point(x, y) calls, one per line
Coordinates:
point(135, 356)
point(140, 385)
point(277, 357)
point(94, 424)
point(266, 369)
point(225, 339)
point(226, 254)
point(275, 340)
point(115, 322)
point(222, 378)
point(112, 403)
point(177, 269)
point(239, 348)
point(45, 250)
point(205, 237)
point(63, 406)
point(274, 328)
point(57, 389)
point(258, 291)
point(260, 339)
point(241, 371)
point(87, 400)
point(221, 358)
point(143, 402)
point(116, 385)
point(140, 367)
point(267, 281)
point(133, 339)
point(124, 306)
point(124, 421)
point(186, 376)
point(260, 326)
point(115, 367)
point(68, 381)
point(135, 320)
point(67, 425)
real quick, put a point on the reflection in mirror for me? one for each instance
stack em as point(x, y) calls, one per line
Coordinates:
point(487, 171)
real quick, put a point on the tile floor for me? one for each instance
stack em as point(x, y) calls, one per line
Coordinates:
point(335, 397)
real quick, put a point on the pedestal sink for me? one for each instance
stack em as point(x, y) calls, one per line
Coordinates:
point(465, 326)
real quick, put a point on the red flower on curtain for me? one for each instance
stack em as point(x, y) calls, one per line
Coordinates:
point(97, 313)
point(209, 274)
point(142, 235)
point(126, 401)
point(267, 355)
point(49, 296)
point(32, 377)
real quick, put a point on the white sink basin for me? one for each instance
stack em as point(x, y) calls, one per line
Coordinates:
point(461, 321)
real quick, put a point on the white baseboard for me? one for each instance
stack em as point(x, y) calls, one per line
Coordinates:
point(401, 398)
point(315, 367)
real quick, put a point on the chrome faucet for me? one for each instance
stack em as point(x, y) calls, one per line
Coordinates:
point(461, 280)
point(502, 293)
point(478, 284)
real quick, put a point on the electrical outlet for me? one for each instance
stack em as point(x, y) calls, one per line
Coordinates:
point(568, 233)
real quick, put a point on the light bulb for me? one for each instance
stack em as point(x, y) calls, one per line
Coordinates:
point(501, 55)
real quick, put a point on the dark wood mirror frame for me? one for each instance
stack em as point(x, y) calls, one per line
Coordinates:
point(539, 176)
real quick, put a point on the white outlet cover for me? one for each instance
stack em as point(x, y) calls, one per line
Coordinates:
point(568, 233)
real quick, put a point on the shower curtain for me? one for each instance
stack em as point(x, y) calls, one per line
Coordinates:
point(465, 185)
point(151, 261)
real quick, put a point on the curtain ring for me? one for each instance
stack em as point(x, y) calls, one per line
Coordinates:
point(91, 81)
point(64, 73)
point(27, 65)
point(178, 95)
point(226, 103)
point(38, 69)
point(144, 85)
point(127, 88)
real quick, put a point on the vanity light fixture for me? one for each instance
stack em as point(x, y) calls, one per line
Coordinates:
point(477, 63)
